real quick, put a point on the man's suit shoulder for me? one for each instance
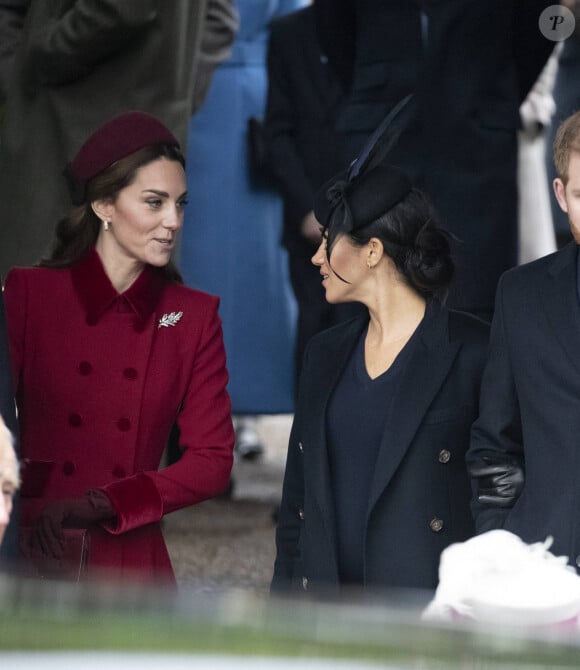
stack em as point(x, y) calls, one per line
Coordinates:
point(529, 274)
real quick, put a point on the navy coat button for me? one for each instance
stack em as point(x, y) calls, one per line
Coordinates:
point(119, 472)
point(130, 373)
point(85, 368)
point(75, 420)
point(301, 447)
point(436, 525)
point(444, 456)
point(124, 424)
point(305, 583)
point(301, 514)
point(68, 468)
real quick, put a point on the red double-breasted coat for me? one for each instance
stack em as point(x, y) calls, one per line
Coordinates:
point(101, 377)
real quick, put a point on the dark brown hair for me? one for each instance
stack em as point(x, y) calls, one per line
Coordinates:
point(77, 234)
point(566, 141)
point(411, 237)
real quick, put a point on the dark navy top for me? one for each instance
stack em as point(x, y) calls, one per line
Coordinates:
point(358, 416)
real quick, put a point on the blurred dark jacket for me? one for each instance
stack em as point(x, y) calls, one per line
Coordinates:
point(470, 65)
point(11, 22)
point(307, 89)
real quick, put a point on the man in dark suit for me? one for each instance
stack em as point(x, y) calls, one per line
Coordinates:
point(524, 453)
point(470, 64)
point(310, 60)
point(8, 414)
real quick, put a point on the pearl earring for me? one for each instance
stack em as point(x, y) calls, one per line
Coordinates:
point(105, 225)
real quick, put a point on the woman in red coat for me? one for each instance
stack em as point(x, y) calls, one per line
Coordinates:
point(109, 350)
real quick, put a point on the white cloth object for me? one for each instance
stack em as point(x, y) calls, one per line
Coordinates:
point(535, 226)
point(496, 578)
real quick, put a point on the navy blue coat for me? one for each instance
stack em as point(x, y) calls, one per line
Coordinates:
point(418, 502)
point(530, 402)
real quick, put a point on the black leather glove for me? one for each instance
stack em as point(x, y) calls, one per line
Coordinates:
point(498, 484)
point(47, 535)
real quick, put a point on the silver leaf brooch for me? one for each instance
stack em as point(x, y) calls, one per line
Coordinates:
point(170, 319)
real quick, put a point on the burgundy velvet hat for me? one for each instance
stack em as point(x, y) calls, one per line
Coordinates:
point(117, 138)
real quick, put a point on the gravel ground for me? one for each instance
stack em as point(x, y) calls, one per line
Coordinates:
point(228, 543)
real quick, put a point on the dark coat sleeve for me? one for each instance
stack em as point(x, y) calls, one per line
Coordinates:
point(221, 24)
point(280, 122)
point(495, 457)
point(91, 31)
point(12, 14)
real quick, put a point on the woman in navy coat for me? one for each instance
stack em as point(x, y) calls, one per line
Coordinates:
point(375, 484)
point(109, 350)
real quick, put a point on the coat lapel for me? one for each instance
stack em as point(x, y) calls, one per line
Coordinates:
point(329, 369)
point(559, 298)
point(425, 373)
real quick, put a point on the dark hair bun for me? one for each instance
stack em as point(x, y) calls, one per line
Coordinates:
point(419, 248)
point(428, 265)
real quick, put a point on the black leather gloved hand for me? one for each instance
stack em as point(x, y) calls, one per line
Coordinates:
point(47, 535)
point(498, 484)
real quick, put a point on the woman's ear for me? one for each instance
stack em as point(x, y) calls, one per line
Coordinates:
point(375, 251)
point(102, 208)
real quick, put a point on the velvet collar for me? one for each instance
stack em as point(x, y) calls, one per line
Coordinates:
point(96, 292)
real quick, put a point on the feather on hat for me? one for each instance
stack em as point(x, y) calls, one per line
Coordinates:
point(370, 187)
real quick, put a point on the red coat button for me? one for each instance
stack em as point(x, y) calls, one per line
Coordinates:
point(68, 468)
point(119, 472)
point(124, 424)
point(130, 373)
point(75, 419)
point(85, 368)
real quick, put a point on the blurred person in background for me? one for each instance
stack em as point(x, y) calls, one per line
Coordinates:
point(8, 477)
point(78, 63)
point(11, 22)
point(375, 485)
point(230, 244)
point(310, 65)
point(9, 549)
point(109, 349)
point(470, 65)
point(536, 236)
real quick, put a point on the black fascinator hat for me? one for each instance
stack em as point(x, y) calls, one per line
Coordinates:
point(370, 187)
point(375, 198)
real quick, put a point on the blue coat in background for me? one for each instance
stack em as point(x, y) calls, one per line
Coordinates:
point(231, 238)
